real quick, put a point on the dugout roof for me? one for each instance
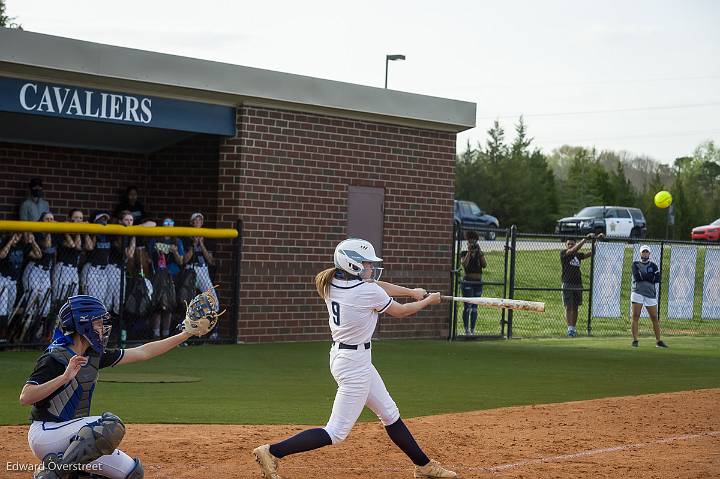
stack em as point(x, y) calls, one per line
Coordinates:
point(56, 90)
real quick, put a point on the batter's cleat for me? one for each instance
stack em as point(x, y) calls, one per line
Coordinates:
point(635, 343)
point(661, 344)
point(433, 469)
point(268, 463)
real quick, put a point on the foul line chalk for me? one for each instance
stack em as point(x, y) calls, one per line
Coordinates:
point(594, 452)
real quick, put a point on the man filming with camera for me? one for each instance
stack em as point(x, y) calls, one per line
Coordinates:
point(473, 262)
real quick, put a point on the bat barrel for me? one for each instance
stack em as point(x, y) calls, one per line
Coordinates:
point(500, 303)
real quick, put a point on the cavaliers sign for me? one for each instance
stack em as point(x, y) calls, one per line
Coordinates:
point(66, 101)
point(80, 103)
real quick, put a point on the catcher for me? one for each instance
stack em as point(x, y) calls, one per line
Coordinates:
point(63, 434)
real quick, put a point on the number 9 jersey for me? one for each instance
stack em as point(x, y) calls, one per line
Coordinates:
point(353, 306)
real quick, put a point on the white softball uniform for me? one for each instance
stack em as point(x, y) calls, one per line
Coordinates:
point(8, 292)
point(203, 282)
point(644, 300)
point(112, 293)
point(64, 282)
point(54, 437)
point(38, 283)
point(96, 281)
point(353, 307)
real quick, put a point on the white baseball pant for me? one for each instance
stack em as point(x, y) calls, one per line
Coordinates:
point(38, 283)
point(65, 282)
point(204, 283)
point(54, 437)
point(8, 292)
point(96, 281)
point(359, 385)
point(112, 295)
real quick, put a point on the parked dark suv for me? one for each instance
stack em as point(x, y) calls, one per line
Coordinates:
point(468, 215)
point(618, 221)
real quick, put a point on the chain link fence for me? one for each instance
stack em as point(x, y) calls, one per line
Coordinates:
point(144, 282)
point(528, 266)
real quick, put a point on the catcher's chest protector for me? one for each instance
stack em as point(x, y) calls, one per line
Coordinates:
point(72, 400)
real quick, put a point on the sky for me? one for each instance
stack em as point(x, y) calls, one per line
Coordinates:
point(636, 76)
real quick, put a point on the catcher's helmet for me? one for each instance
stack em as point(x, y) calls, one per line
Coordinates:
point(350, 256)
point(86, 315)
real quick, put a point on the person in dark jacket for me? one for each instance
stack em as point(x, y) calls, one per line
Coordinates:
point(473, 262)
point(645, 274)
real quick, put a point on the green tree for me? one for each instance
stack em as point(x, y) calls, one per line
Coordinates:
point(5, 20)
point(577, 189)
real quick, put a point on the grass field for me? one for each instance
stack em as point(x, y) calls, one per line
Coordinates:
point(290, 383)
point(541, 269)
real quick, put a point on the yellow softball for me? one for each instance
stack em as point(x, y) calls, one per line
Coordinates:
point(663, 199)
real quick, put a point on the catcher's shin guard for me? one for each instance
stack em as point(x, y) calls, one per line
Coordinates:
point(96, 439)
point(138, 472)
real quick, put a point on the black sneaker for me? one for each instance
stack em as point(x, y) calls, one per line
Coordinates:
point(661, 344)
point(635, 343)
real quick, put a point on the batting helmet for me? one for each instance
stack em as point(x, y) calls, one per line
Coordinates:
point(350, 256)
point(86, 315)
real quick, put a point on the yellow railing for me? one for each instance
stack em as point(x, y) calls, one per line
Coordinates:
point(85, 228)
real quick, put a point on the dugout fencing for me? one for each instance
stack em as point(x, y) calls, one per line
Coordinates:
point(140, 278)
point(527, 266)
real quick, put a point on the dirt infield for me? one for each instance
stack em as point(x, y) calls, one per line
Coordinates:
point(674, 435)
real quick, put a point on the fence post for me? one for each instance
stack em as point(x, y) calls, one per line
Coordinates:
point(662, 273)
point(590, 294)
point(453, 284)
point(503, 321)
point(511, 292)
point(121, 319)
point(237, 261)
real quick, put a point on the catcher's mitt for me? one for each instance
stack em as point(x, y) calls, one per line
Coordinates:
point(201, 314)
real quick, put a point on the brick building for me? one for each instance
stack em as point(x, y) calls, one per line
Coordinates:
point(303, 162)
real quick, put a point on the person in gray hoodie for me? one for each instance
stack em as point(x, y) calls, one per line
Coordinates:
point(645, 274)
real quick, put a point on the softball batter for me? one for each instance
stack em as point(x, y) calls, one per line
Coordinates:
point(354, 298)
point(63, 433)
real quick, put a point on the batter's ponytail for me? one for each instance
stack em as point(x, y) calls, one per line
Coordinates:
point(322, 282)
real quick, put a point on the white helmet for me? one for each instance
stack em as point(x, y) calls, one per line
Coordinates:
point(350, 255)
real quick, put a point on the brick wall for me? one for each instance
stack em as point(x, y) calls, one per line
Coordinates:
point(286, 174)
point(72, 178)
point(177, 180)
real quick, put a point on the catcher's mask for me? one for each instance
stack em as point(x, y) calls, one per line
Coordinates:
point(87, 316)
point(357, 257)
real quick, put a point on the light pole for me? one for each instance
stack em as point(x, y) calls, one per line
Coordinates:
point(389, 58)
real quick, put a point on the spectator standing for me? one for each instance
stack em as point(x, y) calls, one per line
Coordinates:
point(65, 275)
point(198, 256)
point(94, 273)
point(645, 275)
point(38, 279)
point(130, 202)
point(34, 205)
point(167, 259)
point(122, 249)
point(14, 248)
point(570, 259)
point(473, 262)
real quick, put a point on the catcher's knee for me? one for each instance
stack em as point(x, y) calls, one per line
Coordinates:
point(138, 472)
point(98, 438)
